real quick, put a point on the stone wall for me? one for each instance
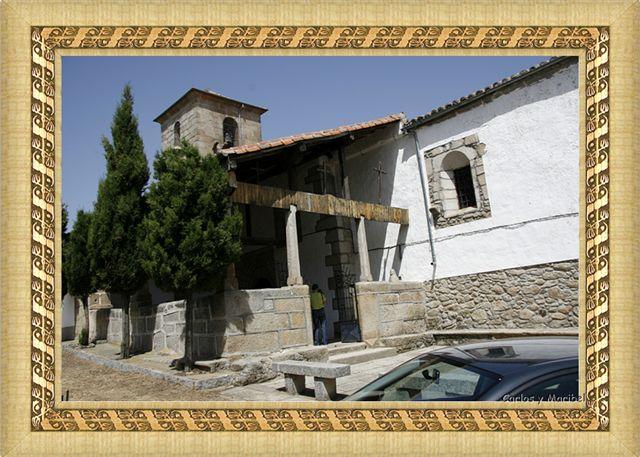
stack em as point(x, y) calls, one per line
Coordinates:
point(534, 297)
point(201, 120)
point(80, 321)
point(389, 309)
point(529, 297)
point(234, 322)
point(114, 325)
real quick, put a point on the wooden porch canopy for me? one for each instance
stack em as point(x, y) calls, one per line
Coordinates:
point(274, 197)
point(294, 148)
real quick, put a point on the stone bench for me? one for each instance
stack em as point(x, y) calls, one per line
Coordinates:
point(324, 376)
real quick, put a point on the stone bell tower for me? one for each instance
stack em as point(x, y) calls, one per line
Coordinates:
point(205, 118)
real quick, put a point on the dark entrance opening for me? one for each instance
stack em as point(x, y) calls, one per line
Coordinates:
point(464, 187)
point(347, 329)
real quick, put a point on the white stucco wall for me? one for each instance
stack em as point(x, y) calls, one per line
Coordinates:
point(68, 311)
point(531, 167)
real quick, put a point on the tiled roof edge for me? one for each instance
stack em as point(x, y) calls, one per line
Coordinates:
point(291, 139)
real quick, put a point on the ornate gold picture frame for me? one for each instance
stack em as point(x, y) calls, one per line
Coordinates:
point(592, 44)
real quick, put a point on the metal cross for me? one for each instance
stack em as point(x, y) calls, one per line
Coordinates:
point(380, 172)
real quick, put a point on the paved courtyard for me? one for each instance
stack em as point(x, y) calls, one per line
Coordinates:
point(361, 374)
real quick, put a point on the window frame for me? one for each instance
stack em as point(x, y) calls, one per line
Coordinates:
point(177, 139)
point(441, 186)
point(540, 379)
point(228, 120)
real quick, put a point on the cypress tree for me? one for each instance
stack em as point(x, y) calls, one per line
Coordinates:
point(192, 229)
point(77, 263)
point(119, 210)
point(65, 236)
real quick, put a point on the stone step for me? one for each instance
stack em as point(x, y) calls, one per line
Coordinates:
point(342, 348)
point(364, 355)
point(212, 365)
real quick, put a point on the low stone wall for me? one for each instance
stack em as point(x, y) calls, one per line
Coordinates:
point(389, 309)
point(234, 322)
point(536, 296)
point(114, 325)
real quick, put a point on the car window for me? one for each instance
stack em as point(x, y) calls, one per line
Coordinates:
point(437, 381)
point(428, 379)
point(557, 388)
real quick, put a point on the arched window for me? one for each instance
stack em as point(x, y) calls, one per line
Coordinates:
point(460, 180)
point(176, 134)
point(457, 181)
point(229, 133)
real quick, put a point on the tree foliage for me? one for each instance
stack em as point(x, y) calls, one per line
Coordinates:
point(115, 236)
point(77, 266)
point(192, 231)
point(77, 258)
point(120, 206)
point(65, 235)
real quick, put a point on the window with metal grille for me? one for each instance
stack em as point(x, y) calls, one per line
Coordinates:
point(464, 187)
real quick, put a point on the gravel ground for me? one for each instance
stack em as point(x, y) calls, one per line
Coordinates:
point(88, 381)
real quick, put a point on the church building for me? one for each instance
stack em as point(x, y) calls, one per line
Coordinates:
point(462, 220)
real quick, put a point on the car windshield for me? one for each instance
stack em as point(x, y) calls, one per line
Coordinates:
point(428, 379)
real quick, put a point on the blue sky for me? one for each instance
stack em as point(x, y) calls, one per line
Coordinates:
point(301, 93)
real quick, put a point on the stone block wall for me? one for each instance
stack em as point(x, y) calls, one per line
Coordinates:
point(387, 309)
point(233, 322)
point(99, 324)
point(114, 325)
point(535, 296)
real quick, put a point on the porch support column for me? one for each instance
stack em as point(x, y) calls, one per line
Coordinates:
point(293, 257)
point(363, 252)
point(93, 325)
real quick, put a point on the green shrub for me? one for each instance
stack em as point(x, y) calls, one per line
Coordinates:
point(83, 337)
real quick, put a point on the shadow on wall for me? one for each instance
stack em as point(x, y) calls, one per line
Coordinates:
point(370, 185)
point(232, 322)
point(235, 322)
point(385, 253)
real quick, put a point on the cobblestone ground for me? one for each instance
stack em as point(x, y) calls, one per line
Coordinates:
point(89, 381)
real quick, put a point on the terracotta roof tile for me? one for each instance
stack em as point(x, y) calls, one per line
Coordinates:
point(292, 139)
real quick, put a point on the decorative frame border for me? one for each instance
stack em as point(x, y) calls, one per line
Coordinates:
point(594, 40)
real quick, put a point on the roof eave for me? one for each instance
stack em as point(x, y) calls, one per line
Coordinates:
point(250, 155)
point(167, 111)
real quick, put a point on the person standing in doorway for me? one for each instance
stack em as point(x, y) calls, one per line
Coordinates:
point(319, 317)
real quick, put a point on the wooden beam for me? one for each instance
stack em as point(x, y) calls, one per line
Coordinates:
point(275, 197)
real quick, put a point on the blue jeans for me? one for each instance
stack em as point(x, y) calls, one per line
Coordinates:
point(320, 335)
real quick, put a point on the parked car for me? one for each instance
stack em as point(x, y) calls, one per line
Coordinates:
point(518, 369)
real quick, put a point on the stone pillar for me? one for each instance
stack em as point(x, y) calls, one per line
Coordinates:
point(363, 252)
point(369, 311)
point(93, 325)
point(293, 257)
